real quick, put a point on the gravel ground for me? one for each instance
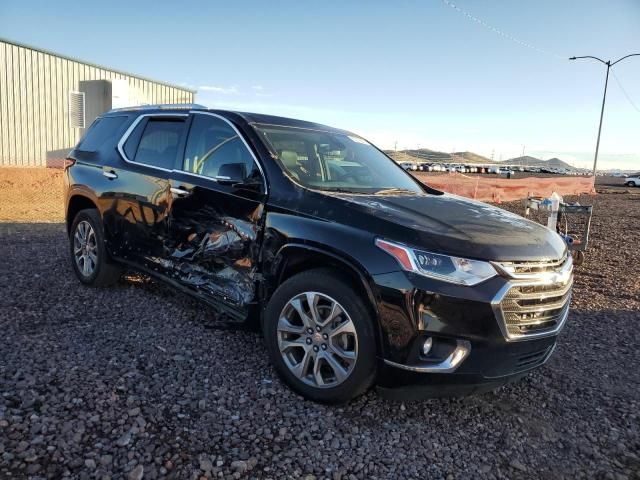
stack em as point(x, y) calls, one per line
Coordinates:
point(132, 382)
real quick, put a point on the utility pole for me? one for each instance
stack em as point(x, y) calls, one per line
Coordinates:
point(395, 146)
point(523, 150)
point(609, 64)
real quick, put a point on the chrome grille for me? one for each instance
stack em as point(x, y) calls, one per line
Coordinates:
point(530, 269)
point(536, 301)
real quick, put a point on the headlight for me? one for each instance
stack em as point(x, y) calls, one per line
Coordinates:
point(441, 267)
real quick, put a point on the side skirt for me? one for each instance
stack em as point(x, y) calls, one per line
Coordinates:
point(226, 316)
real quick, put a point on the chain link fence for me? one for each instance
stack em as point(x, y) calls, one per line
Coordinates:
point(31, 195)
point(497, 190)
point(34, 194)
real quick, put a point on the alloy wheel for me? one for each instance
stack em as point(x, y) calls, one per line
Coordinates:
point(85, 248)
point(317, 340)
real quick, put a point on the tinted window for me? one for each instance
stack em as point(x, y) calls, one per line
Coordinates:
point(158, 145)
point(133, 140)
point(212, 143)
point(103, 130)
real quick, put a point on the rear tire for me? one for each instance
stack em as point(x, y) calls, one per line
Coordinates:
point(89, 257)
point(328, 353)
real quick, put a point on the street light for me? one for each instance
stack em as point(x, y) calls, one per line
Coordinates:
point(609, 64)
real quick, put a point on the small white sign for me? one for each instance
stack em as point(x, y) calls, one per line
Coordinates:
point(119, 93)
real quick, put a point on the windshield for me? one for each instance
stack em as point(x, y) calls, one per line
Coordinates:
point(335, 161)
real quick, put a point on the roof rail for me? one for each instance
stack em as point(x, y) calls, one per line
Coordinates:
point(162, 106)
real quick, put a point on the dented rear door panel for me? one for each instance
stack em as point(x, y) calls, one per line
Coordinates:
point(135, 210)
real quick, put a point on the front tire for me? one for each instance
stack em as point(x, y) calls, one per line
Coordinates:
point(320, 338)
point(89, 257)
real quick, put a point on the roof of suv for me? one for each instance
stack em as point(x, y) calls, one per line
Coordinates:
point(258, 118)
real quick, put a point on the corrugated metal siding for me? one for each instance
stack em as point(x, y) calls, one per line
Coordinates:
point(34, 101)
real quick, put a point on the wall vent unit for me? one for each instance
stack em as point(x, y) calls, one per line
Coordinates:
point(76, 110)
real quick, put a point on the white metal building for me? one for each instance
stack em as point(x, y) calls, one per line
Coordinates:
point(47, 100)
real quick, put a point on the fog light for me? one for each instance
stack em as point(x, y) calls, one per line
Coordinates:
point(426, 346)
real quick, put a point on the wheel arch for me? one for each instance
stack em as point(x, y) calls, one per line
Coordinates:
point(77, 202)
point(293, 258)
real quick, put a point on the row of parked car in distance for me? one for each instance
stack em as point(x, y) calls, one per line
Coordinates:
point(495, 169)
point(448, 167)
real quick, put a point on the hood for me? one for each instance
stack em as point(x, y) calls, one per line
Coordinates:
point(456, 226)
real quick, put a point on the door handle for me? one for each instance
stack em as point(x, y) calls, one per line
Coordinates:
point(110, 174)
point(180, 192)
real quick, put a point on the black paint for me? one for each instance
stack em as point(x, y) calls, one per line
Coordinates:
point(232, 244)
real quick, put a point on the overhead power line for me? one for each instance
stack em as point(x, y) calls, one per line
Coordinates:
point(511, 38)
point(615, 77)
point(497, 31)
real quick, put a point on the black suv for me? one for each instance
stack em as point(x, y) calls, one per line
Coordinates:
point(356, 272)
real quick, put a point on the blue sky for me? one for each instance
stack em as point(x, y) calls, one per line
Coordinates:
point(418, 73)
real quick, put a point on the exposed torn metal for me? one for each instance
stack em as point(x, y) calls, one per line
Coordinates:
point(217, 259)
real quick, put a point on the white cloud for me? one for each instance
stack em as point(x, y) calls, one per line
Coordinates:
point(218, 89)
point(258, 91)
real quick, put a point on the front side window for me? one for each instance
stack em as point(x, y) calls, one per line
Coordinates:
point(335, 161)
point(214, 149)
point(159, 143)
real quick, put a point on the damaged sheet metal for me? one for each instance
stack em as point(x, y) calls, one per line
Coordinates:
point(214, 254)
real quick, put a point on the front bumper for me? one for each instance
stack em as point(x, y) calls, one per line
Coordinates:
point(484, 369)
point(473, 351)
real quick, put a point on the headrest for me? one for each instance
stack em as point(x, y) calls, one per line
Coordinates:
point(289, 158)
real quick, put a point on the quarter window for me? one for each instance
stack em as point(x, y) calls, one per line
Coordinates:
point(103, 130)
point(213, 143)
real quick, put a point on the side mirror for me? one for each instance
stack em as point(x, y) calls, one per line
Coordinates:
point(234, 174)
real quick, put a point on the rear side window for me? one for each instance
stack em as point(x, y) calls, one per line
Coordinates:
point(103, 130)
point(158, 146)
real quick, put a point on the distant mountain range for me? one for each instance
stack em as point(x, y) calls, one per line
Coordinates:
point(426, 155)
point(536, 162)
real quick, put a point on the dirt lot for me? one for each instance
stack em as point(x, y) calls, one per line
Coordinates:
point(31, 195)
point(133, 381)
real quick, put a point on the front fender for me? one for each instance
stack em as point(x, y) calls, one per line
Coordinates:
point(315, 243)
point(353, 245)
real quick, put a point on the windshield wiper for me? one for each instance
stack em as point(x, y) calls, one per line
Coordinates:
point(343, 190)
point(387, 191)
